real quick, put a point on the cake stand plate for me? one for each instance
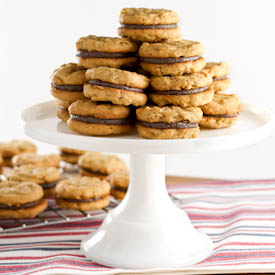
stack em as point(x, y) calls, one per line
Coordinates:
point(147, 230)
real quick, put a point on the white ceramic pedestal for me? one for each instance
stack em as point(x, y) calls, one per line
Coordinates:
point(147, 230)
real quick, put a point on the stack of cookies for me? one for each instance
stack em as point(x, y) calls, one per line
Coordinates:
point(150, 77)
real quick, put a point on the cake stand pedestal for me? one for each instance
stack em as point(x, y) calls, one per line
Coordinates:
point(147, 230)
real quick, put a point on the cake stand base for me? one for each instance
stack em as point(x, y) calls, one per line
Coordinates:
point(147, 230)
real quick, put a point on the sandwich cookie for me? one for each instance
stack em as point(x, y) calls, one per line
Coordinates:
point(222, 112)
point(14, 147)
point(62, 110)
point(117, 86)
point(119, 182)
point(149, 25)
point(99, 165)
point(83, 193)
point(50, 160)
point(67, 82)
point(70, 155)
point(98, 119)
point(19, 200)
point(172, 57)
point(94, 51)
point(186, 90)
point(169, 122)
point(219, 72)
point(46, 177)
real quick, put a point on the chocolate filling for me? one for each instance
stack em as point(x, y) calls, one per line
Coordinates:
point(221, 116)
point(93, 120)
point(70, 154)
point(169, 60)
point(220, 78)
point(91, 171)
point(118, 188)
point(171, 125)
point(142, 27)
point(87, 54)
point(49, 185)
point(20, 206)
point(70, 88)
point(83, 200)
point(181, 92)
point(116, 86)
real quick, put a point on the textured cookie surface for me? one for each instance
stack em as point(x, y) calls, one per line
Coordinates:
point(217, 123)
point(216, 69)
point(119, 178)
point(14, 147)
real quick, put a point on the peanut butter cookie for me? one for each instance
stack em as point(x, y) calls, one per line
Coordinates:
point(119, 181)
point(70, 155)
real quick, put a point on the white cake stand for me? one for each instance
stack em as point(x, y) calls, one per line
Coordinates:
point(147, 230)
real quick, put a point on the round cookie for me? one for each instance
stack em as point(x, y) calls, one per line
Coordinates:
point(99, 165)
point(149, 25)
point(186, 90)
point(14, 147)
point(46, 177)
point(119, 181)
point(117, 86)
point(83, 193)
point(50, 160)
point(222, 112)
point(62, 110)
point(67, 82)
point(70, 155)
point(96, 119)
point(169, 122)
point(20, 200)
point(172, 57)
point(219, 72)
point(95, 51)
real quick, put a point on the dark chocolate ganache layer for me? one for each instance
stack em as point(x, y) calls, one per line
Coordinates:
point(70, 88)
point(118, 188)
point(93, 172)
point(142, 27)
point(49, 185)
point(116, 86)
point(93, 120)
point(20, 206)
point(221, 116)
point(87, 54)
point(220, 78)
point(171, 125)
point(169, 60)
point(83, 200)
point(181, 92)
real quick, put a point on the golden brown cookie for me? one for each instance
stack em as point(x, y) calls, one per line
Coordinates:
point(151, 25)
point(186, 90)
point(83, 193)
point(14, 147)
point(50, 160)
point(95, 51)
point(21, 199)
point(46, 177)
point(119, 181)
point(222, 112)
point(117, 86)
point(70, 155)
point(219, 72)
point(99, 165)
point(172, 57)
point(1, 163)
point(62, 110)
point(96, 119)
point(169, 122)
point(67, 82)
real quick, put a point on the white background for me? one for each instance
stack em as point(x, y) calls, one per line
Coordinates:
point(38, 36)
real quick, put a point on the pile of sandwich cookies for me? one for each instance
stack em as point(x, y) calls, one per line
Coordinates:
point(150, 77)
point(30, 179)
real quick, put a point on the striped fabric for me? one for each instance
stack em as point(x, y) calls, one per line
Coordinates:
point(239, 217)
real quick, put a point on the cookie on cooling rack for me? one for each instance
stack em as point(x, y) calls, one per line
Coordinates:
point(20, 200)
point(116, 86)
point(70, 155)
point(46, 177)
point(99, 165)
point(83, 193)
point(14, 147)
point(186, 90)
point(172, 57)
point(222, 112)
point(119, 181)
point(151, 25)
point(116, 52)
point(50, 160)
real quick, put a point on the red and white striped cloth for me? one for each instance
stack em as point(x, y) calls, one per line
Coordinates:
point(239, 217)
